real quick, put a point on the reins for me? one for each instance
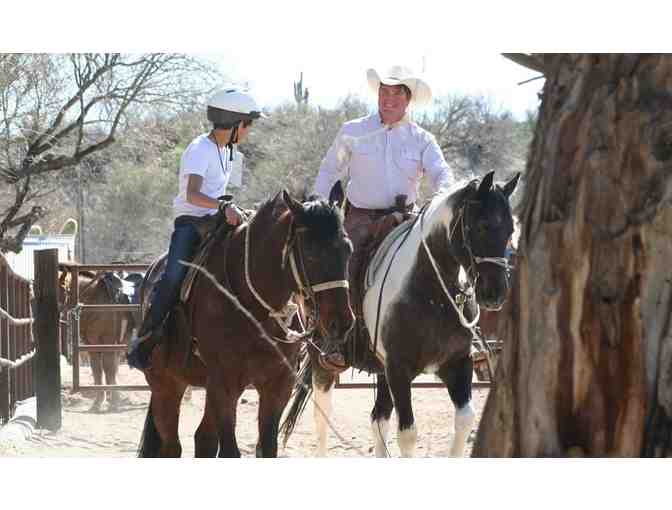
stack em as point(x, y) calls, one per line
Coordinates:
point(382, 284)
point(474, 260)
point(283, 317)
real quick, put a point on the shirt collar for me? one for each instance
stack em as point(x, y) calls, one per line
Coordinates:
point(404, 120)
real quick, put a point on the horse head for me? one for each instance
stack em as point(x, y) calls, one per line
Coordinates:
point(481, 227)
point(114, 287)
point(322, 252)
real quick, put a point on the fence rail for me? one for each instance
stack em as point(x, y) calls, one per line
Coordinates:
point(72, 333)
point(17, 348)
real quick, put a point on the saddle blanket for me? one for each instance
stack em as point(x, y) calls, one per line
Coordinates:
point(377, 260)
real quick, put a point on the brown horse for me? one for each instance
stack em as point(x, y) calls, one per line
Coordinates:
point(97, 328)
point(214, 341)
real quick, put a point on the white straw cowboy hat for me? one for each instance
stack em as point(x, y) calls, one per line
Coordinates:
point(421, 94)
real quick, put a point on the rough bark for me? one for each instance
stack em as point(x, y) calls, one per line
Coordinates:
point(586, 365)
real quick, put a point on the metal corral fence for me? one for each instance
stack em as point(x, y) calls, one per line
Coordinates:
point(73, 314)
point(17, 348)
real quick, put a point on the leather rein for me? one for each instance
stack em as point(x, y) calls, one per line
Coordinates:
point(291, 251)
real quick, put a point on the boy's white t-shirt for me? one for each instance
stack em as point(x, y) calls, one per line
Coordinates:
point(202, 157)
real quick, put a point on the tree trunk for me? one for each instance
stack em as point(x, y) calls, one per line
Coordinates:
point(586, 365)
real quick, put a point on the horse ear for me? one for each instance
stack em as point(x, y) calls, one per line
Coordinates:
point(295, 206)
point(510, 186)
point(336, 195)
point(486, 183)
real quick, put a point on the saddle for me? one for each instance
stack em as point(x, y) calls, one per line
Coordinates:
point(216, 231)
point(210, 231)
point(378, 238)
point(381, 235)
point(375, 262)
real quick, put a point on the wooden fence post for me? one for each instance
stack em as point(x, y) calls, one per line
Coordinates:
point(48, 363)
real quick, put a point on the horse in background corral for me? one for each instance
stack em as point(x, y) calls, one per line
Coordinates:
point(287, 248)
point(132, 284)
point(420, 317)
point(99, 328)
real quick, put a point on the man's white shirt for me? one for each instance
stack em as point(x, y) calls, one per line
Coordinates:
point(382, 162)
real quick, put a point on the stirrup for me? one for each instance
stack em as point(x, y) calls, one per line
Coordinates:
point(140, 351)
point(333, 362)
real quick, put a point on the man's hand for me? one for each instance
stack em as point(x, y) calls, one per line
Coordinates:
point(231, 213)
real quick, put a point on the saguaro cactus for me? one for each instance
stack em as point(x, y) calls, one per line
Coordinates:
point(300, 94)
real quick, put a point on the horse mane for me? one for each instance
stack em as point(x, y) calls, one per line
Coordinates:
point(464, 190)
point(459, 189)
point(322, 220)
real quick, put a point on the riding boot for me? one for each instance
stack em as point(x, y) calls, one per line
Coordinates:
point(140, 349)
point(142, 343)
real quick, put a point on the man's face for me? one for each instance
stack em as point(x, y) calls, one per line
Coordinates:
point(392, 103)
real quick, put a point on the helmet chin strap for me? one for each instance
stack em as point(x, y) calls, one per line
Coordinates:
point(233, 139)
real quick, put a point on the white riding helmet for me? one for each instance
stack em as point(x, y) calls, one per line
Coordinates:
point(231, 105)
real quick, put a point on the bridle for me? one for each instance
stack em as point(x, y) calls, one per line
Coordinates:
point(473, 259)
point(291, 251)
point(473, 262)
point(472, 273)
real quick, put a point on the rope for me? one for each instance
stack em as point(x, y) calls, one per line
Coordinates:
point(284, 316)
point(6, 363)
point(265, 336)
point(460, 315)
point(14, 321)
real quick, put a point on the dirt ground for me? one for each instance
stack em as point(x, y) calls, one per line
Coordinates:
point(115, 434)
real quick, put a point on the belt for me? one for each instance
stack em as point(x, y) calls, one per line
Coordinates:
point(375, 212)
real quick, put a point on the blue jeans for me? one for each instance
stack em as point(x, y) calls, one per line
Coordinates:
point(183, 245)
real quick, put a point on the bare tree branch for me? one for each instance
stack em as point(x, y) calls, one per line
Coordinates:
point(56, 110)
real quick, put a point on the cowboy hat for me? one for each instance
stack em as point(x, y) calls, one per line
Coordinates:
point(421, 94)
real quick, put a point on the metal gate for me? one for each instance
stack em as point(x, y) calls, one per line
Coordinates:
point(72, 320)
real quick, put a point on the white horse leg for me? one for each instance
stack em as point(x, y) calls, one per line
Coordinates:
point(464, 423)
point(322, 407)
point(187, 394)
point(380, 416)
point(400, 389)
point(380, 428)
point(407, 440)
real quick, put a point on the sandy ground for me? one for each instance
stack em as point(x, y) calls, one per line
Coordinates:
point(115, 434)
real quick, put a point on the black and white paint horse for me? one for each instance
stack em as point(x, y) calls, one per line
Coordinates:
point(419, 316)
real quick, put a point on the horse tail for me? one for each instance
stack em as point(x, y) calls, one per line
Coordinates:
point(302, 391)
point(150, 441)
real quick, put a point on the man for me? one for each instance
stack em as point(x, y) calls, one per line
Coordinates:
point(205, 169)
point(383, 156)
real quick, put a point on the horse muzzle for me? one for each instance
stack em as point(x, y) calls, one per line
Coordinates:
point(491, 294)
point(338, 329)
